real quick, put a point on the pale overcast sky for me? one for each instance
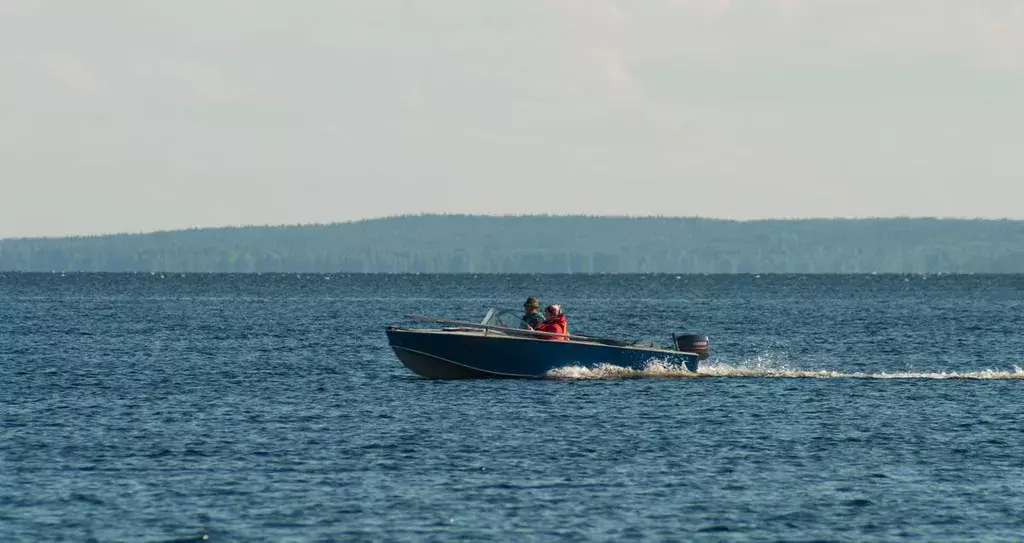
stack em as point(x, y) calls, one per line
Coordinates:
point(139, 115)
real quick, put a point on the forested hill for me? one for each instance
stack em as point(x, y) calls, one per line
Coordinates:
point(547, 244)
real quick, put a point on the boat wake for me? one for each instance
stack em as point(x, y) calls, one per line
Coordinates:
point(725, 370)
point(654, 369)
point(758, 368)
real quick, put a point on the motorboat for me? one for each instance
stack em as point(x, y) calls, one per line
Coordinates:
point(494, 348)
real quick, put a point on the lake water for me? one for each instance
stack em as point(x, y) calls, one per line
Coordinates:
point(242, 407)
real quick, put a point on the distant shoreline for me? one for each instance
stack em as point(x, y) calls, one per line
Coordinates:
point(476, 244)
point(470, 216)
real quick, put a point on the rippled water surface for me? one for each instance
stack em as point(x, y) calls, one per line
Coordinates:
point(239, 407)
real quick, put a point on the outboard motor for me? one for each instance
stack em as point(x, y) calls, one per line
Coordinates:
point(692, 343)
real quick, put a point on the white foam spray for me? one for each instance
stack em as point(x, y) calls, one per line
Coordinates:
point(654, 368)
point(763, 368)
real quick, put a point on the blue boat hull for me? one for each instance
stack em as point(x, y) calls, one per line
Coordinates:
point(467, 355)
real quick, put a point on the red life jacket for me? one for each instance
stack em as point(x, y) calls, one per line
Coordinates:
point(557, 325)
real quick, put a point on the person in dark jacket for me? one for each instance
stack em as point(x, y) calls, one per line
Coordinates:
point(554, 323)
point(532, 318)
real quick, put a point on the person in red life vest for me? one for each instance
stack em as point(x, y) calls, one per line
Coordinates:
point(554, 323)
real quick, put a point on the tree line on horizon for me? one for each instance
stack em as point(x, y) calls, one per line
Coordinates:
point(545, 244)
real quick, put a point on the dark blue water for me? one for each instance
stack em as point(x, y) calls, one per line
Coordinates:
point(234, 407)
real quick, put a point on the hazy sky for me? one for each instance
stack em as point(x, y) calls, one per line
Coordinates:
point(136, 115)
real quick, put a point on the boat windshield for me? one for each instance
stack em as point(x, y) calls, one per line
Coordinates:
point(500, 317)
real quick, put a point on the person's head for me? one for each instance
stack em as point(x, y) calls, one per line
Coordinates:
point(552, 311)
point(531, 305)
